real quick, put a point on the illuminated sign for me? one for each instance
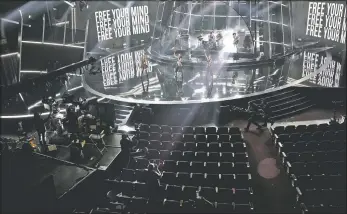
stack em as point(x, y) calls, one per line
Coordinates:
point(330, 77)
point(120, 68)
point(121, 22)
point(327, 20)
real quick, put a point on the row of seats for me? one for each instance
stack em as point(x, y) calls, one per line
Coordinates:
point(190, 146)
point(320, 208)
point(322, 197)
point(303, 128)
point(318, 156)
point(306, 136)
point(190, 137)
point(335, 182)
point(134, 189)
point(141, 205)
point(239, 181)
point(197, 156)
point(188, 129)
point(316, 168)
point(301, 146)
point(198, 167)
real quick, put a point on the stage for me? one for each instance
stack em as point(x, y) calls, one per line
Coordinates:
point(119, 77)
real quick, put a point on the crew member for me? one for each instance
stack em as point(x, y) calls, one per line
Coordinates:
point(39, 124)
point(84, 120)
point(72, 120)
point(125, 144)
point(152, 179)
point(252, 108)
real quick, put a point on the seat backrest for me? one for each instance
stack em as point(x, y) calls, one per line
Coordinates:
point(166, 129)
point(155, 128)
point(201, 146)
point(211, 130)
point(199, 130)
point(176, 129)
point(234, 130)
point(188, 130)
point(223, 130)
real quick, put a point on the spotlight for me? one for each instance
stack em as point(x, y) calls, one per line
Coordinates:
point(29, 16)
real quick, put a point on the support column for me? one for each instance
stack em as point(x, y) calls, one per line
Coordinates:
point(85, 40)
point(20, 43)
point(43, 27)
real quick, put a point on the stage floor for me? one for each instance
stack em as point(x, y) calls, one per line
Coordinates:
point(119, 78)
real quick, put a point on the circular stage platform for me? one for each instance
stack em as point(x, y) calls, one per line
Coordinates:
point(120, 77)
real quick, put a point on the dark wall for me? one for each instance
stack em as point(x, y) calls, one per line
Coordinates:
point(330, 94)
point(37, 56)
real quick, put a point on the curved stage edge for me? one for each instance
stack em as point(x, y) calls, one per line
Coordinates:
point(22, 115)
point(203, 100)
point(158, 58)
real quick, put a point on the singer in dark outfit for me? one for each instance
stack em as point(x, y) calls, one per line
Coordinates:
point(267, 112)
point(252, 108)
point(179, 72)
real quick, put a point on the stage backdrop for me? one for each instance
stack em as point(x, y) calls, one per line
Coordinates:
point(324, 21)
point(111, 24)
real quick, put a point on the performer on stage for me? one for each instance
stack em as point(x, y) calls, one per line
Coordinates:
point(219, 39)
point(236, 40)
point(209, 75)
point(144, 70)
point(212, 40)
point(178, 40)
point(179, 73)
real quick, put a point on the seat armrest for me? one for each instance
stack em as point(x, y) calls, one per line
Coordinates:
point(284, 155)
point(251, 190)
point(251, 205)
point(303, 208)
point(276, 136)
point(292, 176)
point(249, 177)
point(288, 164)
point(280, 144)
point(298, 191)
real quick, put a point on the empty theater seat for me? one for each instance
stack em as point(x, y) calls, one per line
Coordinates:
point(211, 160)
point(155, 128)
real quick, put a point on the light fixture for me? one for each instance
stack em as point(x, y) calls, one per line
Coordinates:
point(69, 3)
point(52, 44)
point(9, 54)
point(29, 16)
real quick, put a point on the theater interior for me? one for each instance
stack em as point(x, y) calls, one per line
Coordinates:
point(173, 106)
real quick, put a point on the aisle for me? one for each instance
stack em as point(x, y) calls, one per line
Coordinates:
point(272, 190)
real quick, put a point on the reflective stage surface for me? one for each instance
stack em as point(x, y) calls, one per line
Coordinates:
point(118, 76)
